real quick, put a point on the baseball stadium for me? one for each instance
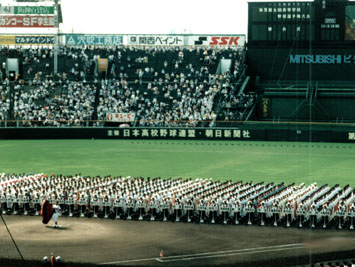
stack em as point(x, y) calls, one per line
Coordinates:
point(178, 149)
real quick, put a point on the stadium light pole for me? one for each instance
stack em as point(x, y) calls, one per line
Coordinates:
point(56, 37)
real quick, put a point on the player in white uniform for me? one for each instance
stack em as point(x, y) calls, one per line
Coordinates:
point(57, 209)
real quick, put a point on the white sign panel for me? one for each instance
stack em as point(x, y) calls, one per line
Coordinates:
point(155, 40)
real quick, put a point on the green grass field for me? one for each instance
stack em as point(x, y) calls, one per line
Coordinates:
point(247, 161)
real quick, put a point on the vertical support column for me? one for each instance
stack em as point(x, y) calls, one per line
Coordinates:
point(56, 37)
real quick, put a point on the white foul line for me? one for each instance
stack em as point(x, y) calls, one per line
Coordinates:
point(226, 255)
point(127, 261)
point(231, 251)
point(214, 254)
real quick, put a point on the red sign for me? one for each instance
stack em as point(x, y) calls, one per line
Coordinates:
point(27, 21)
point(120, 117)
point(224, 40)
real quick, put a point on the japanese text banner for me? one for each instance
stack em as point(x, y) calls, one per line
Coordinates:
point(27, 10)
point(83, 39)
point(155, 40)
point(27, 21)
point(22, 39)
point(120, 117)
point(34, 39)
point(190, 133)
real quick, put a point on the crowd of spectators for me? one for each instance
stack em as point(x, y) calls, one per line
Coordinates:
point(163, 86)
point(173, 102)
point(4, 100)
point(234, 105)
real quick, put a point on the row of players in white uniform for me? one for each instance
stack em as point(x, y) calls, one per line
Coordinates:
point(181, 198)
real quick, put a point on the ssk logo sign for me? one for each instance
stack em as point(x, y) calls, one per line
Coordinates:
point(225, 40)
point(201, 40)
point(217, 40)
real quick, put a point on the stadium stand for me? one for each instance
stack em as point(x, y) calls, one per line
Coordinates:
point(200, 200)
point(163, 86)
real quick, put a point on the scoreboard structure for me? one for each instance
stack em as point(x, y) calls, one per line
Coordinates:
point(280, 21)
point(301, 58)
point(323, 20)
point(285, 38)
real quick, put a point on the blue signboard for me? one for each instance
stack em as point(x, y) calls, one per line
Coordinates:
point(34, 39)
point(322, 59)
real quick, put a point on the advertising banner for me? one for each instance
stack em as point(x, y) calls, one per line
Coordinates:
point(27, 10)
point(155, 40)
point(28, 39)
point(120, 117)
point(97, 39)
point(326, 59)
point(34, 39)
point(218, 40)
point(147, 133)
point(27, 21)
point(263, 132)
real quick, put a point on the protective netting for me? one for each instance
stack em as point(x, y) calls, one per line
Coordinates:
point(8, 248)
